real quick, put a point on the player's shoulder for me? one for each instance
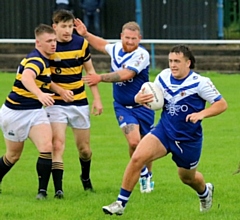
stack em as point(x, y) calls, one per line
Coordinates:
point(142, 53)
point(36, 57)
point(163, 75)
point(33, 53)
point(165, 72)
point(197, 76)
point(142, 49)
point(117, 44)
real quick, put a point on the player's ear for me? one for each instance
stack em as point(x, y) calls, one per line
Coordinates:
point(54, 26)
point(37, 42)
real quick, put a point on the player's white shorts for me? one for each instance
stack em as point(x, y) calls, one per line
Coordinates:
point(75, 116)
point(16, 124)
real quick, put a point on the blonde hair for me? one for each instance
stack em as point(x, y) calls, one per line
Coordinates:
point(131, 25)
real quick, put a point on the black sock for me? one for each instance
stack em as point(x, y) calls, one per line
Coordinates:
point(85, 165)
point(5, 166)
point(57, 174)
point(44, 167)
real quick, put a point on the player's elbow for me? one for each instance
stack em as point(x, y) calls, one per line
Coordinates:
point(224, 104)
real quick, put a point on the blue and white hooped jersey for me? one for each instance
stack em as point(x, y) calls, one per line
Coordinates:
point(138, 61)
point(183, 97)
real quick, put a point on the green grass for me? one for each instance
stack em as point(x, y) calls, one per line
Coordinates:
point(170, 200)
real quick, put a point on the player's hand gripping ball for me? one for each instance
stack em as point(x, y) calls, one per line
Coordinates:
point(158, 99)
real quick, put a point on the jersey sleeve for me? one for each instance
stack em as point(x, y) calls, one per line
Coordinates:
point(208, 91)
point(35, 65)
point(109, 48)
point(85, 47)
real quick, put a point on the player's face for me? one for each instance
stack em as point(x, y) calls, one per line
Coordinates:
point(130, 40)
point(64, 31)
point(179, 65)
point(46, 43)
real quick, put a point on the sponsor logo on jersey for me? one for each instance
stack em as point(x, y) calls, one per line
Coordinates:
point(58, 70)
point(183, 93)
point(57, 59)
point(141, 57)
point(195, 77)
point(174, 109)
point(124, 83)
point(137, 63)
point(120, 118)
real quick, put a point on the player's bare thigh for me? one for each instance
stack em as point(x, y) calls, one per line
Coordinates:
point(41, 136)
point(149, 149)
point(59, 134)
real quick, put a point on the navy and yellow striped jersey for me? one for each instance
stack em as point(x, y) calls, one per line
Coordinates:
point(67, 66)
point(20, 98)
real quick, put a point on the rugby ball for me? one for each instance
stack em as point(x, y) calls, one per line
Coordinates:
point(158, 99)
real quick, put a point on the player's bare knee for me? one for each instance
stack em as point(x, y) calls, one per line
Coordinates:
point(133, 144)
point(85, 153)
point(58, 147)
point(132, 148)
point(137, 161)
point(187, 180)
point(46, 147)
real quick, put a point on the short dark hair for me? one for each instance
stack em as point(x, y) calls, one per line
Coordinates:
point(187, 53)
point(62, 15)
point(43, 28)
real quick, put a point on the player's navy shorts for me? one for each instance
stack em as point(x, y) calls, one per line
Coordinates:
point(138, 114)
point(185, 154)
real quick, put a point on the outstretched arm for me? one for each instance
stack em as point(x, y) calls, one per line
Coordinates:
point(96, 42)
point(117, 76)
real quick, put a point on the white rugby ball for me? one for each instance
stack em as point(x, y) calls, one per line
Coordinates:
point(158, 99)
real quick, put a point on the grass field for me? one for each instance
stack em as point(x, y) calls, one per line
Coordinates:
point(170, 200)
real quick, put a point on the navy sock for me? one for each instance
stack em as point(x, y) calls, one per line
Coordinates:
point(124, 196)
point(204, 194)
point(144, 172)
